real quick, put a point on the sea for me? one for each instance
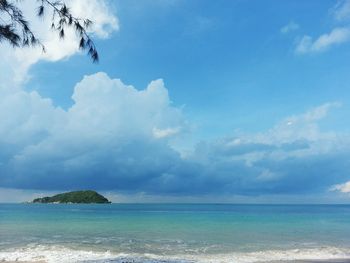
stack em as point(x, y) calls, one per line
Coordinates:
point(176, 233)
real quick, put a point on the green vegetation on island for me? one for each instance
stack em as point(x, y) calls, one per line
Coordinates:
point(76, 197)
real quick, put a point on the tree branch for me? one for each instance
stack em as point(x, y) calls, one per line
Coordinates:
point(19, 34)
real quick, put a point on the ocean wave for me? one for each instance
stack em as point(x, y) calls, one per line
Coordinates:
point(61, 254)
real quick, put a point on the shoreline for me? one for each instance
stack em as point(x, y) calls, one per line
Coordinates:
point(282, 261)
point(312, 261)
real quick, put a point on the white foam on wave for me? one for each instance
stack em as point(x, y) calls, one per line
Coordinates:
point(322, 253)
point(60, 254)
point(52, 254)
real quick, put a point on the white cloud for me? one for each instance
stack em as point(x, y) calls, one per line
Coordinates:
point(291, 26)
point(109, 121)
point(116, 137)
point(107, 107)
point(304, 44)
point(16, 62)
point(105, 22)
point(343, 188)
point(26, 117)
point(295, 128)
point(163, 133)
point(341, 11)
point(297, 136)
point(336, 37)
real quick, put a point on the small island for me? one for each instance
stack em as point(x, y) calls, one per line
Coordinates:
point(76, 197)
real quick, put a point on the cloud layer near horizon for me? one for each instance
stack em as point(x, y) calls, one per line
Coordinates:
point(118, 138)
point(111, 131)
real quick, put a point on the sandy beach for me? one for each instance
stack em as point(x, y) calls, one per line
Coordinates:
point(313, 261)
point(288, 261)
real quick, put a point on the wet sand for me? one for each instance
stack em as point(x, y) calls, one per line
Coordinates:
point(284, 261)
point(312, 261)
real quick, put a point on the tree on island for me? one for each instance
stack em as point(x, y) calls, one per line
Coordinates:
point(75, 197)
point(15, 29)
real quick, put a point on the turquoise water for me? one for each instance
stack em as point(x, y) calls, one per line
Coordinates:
point(173, 232)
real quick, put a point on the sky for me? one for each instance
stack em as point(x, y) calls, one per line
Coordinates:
point(192, 101)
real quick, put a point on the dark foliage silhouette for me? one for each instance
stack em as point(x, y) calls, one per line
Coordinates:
point(15, 29)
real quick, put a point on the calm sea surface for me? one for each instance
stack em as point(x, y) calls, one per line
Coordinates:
point(173, 232)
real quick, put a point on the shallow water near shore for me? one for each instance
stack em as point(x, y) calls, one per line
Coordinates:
point(173, 232)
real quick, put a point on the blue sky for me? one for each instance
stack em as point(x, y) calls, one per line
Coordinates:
point(249, 102)
point(222, 59)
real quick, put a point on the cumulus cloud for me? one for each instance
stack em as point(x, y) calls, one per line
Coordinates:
point(291, 26)
point(162, 133)
point(16, 62)
point(118, 138)
point(343, 188)
point(336, 37)
point(341, 10)
point(109, 132)
point(105, 22)
point(293, 156)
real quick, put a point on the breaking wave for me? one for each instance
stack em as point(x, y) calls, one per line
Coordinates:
point(61, 254)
